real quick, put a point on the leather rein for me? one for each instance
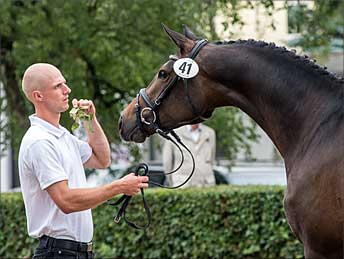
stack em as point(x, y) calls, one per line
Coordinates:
point(142, 122)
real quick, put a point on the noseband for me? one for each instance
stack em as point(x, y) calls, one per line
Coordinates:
point(152, 106)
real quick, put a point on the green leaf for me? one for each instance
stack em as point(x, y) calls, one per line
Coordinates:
point(78, 114)
point(75, 125)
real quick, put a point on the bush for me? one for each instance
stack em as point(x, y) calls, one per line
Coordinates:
point(218, 222)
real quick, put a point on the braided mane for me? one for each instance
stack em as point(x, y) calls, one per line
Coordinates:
point(305, 60)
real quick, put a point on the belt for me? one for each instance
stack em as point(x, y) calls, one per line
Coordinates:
point(65, 244)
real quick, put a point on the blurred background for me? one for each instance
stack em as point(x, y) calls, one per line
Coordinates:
point(108, 50)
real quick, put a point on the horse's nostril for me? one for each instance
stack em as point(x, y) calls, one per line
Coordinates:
point(120, 122)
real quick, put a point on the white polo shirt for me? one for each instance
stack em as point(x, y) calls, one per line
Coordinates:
point(48, 155)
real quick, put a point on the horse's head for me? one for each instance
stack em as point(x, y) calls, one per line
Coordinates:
point(171, 100)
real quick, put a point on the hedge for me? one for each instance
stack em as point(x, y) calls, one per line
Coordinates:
point(217, 222)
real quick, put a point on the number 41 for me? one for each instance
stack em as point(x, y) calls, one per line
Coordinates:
point(183, 67)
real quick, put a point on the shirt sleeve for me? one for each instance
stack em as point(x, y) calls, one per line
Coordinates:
point(84, 149)
point(46, 163)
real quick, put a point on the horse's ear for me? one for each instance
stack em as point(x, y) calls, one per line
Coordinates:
point(189, 34)
point(185, 45)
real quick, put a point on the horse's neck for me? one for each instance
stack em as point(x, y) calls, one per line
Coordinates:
point(284, 100)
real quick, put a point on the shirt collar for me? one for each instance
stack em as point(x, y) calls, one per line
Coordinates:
point(57, 132)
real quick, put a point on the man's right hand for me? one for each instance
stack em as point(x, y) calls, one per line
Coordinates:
point(132, 184)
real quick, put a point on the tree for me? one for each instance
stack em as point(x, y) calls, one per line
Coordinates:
point(320, 26)
point(106, 49)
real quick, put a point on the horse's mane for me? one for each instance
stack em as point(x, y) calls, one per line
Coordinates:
point(305, 60)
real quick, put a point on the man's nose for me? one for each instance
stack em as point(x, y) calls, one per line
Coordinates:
point(67, 89)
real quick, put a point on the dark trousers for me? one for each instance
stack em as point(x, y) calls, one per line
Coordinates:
point(49, 247)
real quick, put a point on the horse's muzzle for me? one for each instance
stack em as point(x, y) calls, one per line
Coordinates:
point(129, 131)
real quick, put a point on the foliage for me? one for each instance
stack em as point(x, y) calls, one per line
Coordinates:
point(79, 115)
point(106, 49)
point(238, 133)
point(222, 222)
point(320, 25)
point(13, 229)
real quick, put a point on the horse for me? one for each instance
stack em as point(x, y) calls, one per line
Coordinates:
point(299, 104)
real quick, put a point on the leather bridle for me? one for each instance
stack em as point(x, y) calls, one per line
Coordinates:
point(152, 108)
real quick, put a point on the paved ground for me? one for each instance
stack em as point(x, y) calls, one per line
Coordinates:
point(258, 174)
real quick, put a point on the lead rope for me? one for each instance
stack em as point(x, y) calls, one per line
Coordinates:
point(177, 138)
point(125, 199)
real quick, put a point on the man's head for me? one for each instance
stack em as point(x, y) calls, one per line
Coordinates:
point(45, 86)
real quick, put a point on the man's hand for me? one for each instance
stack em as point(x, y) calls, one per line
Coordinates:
point(84, 104)
point(132, 184)
point(83, 110)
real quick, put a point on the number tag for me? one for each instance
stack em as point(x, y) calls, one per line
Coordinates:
point(186, 68)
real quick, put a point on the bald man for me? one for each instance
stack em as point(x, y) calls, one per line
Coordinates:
point(51, 169)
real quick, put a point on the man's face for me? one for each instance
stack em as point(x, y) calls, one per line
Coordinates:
point(55, 92)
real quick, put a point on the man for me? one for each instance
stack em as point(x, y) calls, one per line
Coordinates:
point(201, 140)
point(51, 168)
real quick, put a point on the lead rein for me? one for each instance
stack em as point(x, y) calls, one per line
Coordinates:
point(177, 138)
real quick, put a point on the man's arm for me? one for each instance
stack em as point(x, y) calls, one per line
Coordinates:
point(96, 137)
point(72, 200)
point(100, 146)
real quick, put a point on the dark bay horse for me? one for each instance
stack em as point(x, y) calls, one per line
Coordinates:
point(298, 104)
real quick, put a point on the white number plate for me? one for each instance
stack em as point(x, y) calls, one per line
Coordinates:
point(185, 68)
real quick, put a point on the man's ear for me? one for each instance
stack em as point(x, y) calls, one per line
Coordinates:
point(37, 96)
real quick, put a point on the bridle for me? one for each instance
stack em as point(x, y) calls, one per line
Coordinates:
point(152, 108)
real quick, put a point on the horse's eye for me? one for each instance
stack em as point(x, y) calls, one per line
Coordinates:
point(162, 74)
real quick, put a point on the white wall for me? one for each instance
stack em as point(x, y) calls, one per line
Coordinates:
point(257, 24)
point(263, 150)
point(6, 171)
point(5, 157)
point(335, 63)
